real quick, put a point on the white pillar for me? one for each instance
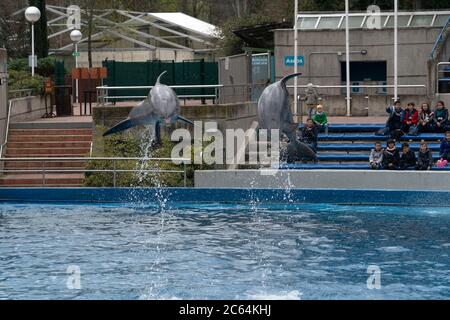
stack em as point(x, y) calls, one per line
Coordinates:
point(32, 49)
point(347, 58)
point(295, 58)
point(76, 80)
point(395, 49)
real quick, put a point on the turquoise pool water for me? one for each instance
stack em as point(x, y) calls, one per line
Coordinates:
point(223, 252)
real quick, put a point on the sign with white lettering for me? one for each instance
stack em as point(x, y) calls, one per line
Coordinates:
point(289, 61)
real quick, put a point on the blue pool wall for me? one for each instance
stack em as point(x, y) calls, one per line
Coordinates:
point(228, 195)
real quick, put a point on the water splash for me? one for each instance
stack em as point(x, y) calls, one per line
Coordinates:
point(148, 174)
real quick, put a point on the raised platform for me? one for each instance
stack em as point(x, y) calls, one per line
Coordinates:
point(325, 179)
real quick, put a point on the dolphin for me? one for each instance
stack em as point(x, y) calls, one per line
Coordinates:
point(160, 106)
point(274, 112)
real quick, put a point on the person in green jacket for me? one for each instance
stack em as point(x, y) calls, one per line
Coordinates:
point(320, 119)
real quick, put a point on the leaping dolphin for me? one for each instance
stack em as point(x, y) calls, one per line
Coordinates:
point(161, 105)
point(274, 113)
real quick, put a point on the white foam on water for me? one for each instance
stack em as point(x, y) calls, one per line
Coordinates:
point(394, 249)
point(287, 295)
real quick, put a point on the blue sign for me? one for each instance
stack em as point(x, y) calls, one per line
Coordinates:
point(289, 61)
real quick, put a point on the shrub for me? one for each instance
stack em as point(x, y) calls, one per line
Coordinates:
point(23, 80)
point(129, 144)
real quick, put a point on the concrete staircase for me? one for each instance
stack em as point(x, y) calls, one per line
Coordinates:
point(46, 141)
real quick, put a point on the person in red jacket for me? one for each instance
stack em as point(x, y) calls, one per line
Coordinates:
point(411, 119)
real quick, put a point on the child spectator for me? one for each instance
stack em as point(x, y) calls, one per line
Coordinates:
point(410, 119)
point(425, 157)
point(376, 156)
point(311, 98)
point(391, 156)
point(408, 159)
point(440, 118)
point(320, 119)
point(310, 134)
point(425, 118)
point(444, 152)
point(394, 123)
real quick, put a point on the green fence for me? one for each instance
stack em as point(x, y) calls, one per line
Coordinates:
point(195, 72)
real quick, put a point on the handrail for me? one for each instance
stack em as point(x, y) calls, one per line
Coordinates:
point(103, 92)
point(206, 86)
point(5, 141)
point(439, 39)
point(365, 86)
point(94, 159)
point(27, 93)
point(46, 160)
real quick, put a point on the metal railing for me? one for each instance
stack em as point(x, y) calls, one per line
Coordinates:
point(45, 166)
point(103, 95)
point(440, 40)
point(14, 94)
point(362, 86)
point(438, 71)
point(8, 119)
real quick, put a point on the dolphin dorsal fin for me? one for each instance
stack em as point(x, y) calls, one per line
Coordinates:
point(158, 81)
point(288, 77)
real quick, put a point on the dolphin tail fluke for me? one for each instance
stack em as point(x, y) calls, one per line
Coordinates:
point(305, 151)
point(186, 120)
point(158, 81)
point(121, 126)
point(289, 77)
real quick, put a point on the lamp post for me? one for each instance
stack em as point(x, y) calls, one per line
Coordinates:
point(76, 36)
point(395, 49)
point(32, 14)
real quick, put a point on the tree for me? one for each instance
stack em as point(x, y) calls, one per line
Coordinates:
point(41, 29)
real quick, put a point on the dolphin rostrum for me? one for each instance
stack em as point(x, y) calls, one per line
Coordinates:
point(161, 105)
point(274, 113)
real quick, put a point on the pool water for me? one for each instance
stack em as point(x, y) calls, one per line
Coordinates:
point(223, 252)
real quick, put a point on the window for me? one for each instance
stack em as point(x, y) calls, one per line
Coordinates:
point(441, 20)
point(329, 22)
point(421, 21)
point(353, 22)
point(308, 23)
point(402, 21)
point(361, 71)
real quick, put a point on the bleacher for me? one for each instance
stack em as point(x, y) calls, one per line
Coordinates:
point(347, 146)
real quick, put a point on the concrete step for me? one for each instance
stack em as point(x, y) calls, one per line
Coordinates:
point(47, 132)
point(52, 144)
point(47, 152)
point(49, 138)
point(49, 164)
point(33, 179)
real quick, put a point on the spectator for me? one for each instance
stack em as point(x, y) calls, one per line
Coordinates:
point(444, 152)
point(440, 118)
point(320, 119)
point(408, 159)
point(410, 119)
point(391, 156)
point(425, 157)
point(394, 123)
point(311, 98)
point(425, 118)
point(310, 134)
point(376, 156)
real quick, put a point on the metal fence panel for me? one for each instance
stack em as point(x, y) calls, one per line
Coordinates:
point(196, 72)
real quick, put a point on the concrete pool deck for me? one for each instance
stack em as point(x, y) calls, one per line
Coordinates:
point(325, 179)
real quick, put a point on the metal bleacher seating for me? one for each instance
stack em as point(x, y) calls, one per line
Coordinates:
point(347, 146)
